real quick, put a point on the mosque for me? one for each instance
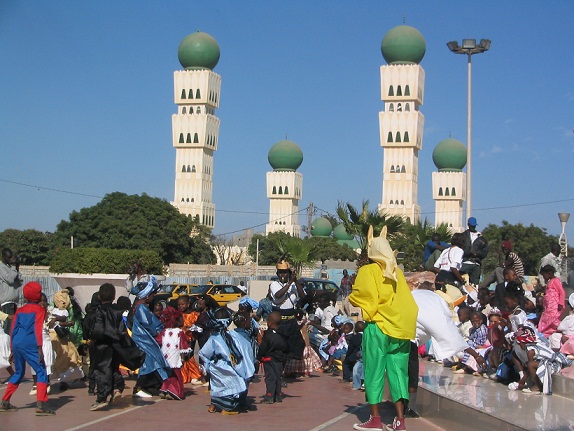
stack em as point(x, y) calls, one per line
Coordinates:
point(195, 133)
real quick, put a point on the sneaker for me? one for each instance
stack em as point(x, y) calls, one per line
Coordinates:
point(34, 390)
point(5, 406)
point(43, 410)
point(116, 395)
point(267, 399)
point(99, 406)
point(410, 413)
point(398, 424)
point(374, 423)
point(142, 394)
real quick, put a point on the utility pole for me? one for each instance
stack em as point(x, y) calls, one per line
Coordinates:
point(309, 218)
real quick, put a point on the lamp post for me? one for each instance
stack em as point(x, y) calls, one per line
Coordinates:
point(469, 47)
point(563, 241)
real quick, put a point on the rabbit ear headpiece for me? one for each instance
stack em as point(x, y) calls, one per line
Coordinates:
point(379, 250)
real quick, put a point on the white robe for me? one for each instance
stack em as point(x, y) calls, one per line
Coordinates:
point(434, 322)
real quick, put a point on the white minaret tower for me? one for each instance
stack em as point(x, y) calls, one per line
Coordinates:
point(401, 123)
point(449, 183)
point(284, 188)
point(195, 127)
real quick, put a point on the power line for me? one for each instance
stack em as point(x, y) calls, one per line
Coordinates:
point(51, 189)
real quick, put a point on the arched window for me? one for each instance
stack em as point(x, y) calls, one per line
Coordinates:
point(193, 168)
point(390, 137)
point(274, 190)
point(181, 138)
point(190, 94)
point(407, 90)
point(396, 202)
point(188, 168)
point(406, 137)
point(399, 107)
point(453, 193)
point(402, 202)
point(391, 108)
point(391, 202)
point(183, 94)
point(183, 110)
point(440, 191)
point(188, 139)
point(398, 137)
point(286, 190)
point(198, 110)
point(187, 199)
point(446, 192)
point(280, 190)
point(403, 170)
point(399, 91)
point(392, 169)
point(391, 91)
point(196, 138)
point(183, 168)
point(192, 200)
point(197, 94)
point(407, 107)
point(182, 199)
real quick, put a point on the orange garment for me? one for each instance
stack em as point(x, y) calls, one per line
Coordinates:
point(190, 369)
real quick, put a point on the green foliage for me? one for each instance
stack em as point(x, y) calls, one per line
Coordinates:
point(102, 260)
point(411, 241)
point(357, 222)
point(269, 253)
point(531, 243)
point(134, 222)
point(297, 251)
point(32, 246)
point(328, 248)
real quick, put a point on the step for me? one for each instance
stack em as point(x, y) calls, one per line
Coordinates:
point(464, 402)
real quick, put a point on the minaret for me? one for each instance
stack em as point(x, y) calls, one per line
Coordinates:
point(401, 123)
point(449, 183)
point(195, 127)
point(284, 188)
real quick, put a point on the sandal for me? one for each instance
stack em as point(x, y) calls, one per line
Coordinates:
point(212, 409)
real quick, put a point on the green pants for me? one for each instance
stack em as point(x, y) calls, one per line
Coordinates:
point(385, 355)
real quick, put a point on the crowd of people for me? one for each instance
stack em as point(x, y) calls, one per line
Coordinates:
point(493, 325)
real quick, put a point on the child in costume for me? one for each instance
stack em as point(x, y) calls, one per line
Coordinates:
point(190, 369)
point(26, 336)
point(390, 313)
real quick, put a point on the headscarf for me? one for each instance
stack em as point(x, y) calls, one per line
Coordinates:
point(219, 326)
point(246, 300)
point(33, 291)
point(571, 300)
point(169, 317)
point(62, 300)
point(143, 289)
point(379, 250)
point(525, 335)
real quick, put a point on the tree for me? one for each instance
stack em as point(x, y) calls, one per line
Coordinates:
point(357, 222)
point(30, 245)
point(529, 242)
point(411, 241)
point(328, 248)
point(269, 252)
point(297, 251)
point(134, 222)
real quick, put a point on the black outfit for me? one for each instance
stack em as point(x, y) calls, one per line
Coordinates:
point(473, 252)
point(499, 292)
point(354, 345)
point(108, 327)
point(273, 353)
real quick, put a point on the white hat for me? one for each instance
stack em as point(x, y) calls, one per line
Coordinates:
point(571, 300)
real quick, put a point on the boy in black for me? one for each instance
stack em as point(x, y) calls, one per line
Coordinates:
point(273, 353)
point(106, 329)
point(355, 343)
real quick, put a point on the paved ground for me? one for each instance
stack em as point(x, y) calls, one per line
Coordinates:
point(317, 403)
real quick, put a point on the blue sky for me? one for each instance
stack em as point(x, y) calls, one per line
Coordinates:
point(86, 92)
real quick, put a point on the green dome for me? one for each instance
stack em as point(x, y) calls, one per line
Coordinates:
point(339, 233)
point(321, 227)
point(285, 156)
point(449, 155)
point(403, 45)
point(198, 51)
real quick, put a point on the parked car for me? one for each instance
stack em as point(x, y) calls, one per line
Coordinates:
point(315, 287)
point(220, 293)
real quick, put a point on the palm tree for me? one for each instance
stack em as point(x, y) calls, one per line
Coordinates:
point(357, 222)
point(297, 251)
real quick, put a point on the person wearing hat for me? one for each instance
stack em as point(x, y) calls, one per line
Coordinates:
point(27, 342)
point(145, 326)
point(475, 250)
point(286, 291)
point(506, 259)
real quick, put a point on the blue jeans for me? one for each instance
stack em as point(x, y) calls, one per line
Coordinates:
point(358, 375)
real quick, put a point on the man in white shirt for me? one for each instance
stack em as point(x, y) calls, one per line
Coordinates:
point(285, 292)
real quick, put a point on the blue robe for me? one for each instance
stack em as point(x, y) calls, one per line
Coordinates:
point(145, 327)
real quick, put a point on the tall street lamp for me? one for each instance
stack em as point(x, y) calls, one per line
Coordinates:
point(469, 47)
point(563, 241)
